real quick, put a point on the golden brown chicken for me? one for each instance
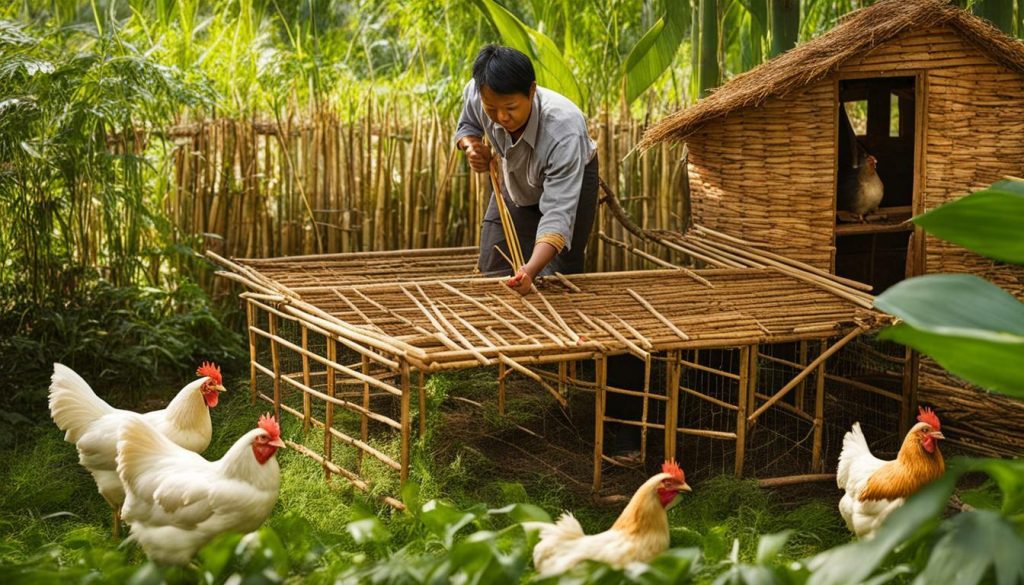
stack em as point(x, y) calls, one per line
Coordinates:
point(875, 488)
point(638, 535)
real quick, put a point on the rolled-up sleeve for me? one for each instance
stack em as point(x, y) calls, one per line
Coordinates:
point(469, 121)
point(562, 183)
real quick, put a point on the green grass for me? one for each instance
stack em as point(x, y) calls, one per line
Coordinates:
point(55, 525)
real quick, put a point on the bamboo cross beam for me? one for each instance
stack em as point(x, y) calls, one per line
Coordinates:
point(805, 372)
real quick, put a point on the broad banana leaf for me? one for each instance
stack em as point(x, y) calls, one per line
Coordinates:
point(552, 70)
point(655, 51)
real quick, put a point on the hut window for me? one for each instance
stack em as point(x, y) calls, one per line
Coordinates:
point(857, 112)
point(894, 116)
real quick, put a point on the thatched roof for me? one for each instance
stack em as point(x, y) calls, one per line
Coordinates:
point(858, 33)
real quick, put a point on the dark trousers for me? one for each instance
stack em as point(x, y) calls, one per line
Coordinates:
point(569, 261)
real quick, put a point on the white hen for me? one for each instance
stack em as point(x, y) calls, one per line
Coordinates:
point(92, 424)
point(177, 501)
point(874, 487)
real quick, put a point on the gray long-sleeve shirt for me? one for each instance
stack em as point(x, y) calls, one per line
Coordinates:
point(545, 166)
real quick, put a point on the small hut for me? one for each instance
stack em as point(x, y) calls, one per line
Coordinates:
point(934, 93)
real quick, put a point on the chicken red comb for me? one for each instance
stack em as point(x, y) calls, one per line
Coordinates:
point(927, 415)
point(210, 370)
point(672, 468)
point(269, 423)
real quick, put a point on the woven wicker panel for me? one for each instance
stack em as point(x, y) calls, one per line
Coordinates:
point(766, 174)
point(974, 135)
point(981, 421)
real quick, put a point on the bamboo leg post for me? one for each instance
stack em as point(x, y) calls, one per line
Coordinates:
point(752, 380)
point(572, 370)
point(306, 406)
point(250, 316)
point(364, 423)
point(741, 412)
point(600, 392)
point(405, 422)
point(646, 409)
point(275, 358)
point(802, 388)
point(332, 355)
point(501, 388)
point(672, 376)
point(421, 391)
point(819, 414)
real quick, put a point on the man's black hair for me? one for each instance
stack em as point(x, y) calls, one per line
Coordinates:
point(504, 70)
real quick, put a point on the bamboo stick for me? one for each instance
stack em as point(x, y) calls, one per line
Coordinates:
point(805, 372)
point(533, 376)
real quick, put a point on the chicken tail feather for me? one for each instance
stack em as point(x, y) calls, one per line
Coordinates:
point(854, 447)
point(73, 404)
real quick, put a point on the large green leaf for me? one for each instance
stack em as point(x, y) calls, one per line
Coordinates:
point(971, 327)
point(974, 545)
point(552, 70)
point(656, 50)
point(988, 222)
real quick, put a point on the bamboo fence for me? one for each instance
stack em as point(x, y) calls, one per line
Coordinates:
point(389, 180)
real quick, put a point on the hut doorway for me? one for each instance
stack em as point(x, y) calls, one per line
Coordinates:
point(875, 178)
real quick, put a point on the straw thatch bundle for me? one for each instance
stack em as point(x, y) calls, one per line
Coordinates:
point(860, 32)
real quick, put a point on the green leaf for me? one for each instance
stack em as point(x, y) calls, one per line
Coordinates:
point(655, 51)
point(445, 520)
point(770, 545)
point(368, 530)
point(523, 512)
point(966, 324)
point(974, 544)
point(987, 222)
point(552, 70)
point(855, 562)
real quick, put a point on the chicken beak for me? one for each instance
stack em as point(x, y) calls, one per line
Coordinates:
point(278, 443)
point(685, 487)
point(936, 435)
point(219, 388)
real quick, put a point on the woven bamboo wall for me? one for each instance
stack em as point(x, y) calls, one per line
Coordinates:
point(763, 174)
point(974, 134)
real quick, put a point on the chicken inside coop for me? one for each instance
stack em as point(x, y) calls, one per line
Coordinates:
point(875, 178)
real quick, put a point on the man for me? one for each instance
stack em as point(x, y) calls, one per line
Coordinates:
point(548, 166)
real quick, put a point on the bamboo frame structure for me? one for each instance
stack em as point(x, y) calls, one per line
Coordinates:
point(430, 317)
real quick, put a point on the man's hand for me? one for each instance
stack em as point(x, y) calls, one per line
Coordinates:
point(522, 282)
point(478, 155)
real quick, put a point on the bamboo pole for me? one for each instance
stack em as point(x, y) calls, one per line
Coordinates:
point(332, 350)
point(741, 410)
point(819, 413)
point(600, 380)
point(306, 406)
point(250, 317)
point(364, 420)
point(276, 363)
point(406, 424)
point(806, 371)
point(672, 385)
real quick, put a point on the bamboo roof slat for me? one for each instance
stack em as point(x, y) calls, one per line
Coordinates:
point(452, 322)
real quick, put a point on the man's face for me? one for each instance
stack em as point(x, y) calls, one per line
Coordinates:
point(510, 111)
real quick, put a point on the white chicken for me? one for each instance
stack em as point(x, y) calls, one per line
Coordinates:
point(176, 501)
point(874, 487)
point(639, 534)
point(92, 424)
